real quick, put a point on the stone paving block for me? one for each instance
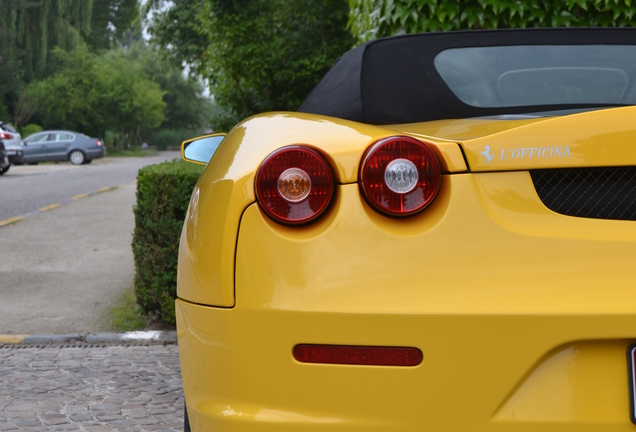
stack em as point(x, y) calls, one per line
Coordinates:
point(94, 388)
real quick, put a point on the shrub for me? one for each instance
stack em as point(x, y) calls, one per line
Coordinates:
point(163, 194)
point(30, 129)
point(166, 138)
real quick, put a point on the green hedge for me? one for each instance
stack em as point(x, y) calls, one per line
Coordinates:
point(163, 194)
point(371, 19)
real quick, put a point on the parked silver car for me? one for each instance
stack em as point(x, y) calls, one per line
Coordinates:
point(12, 144)
point(62, 145)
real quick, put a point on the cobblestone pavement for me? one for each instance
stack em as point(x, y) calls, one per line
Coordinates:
point(94, 388)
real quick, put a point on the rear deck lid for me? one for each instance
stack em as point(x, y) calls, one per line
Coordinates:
point(591, 139)
point(597, 138)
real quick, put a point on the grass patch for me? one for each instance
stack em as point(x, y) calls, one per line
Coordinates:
point(126, 315)
point(130, 153)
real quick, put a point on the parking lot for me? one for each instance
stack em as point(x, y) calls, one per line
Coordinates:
point(77, 250)
point(90, 387)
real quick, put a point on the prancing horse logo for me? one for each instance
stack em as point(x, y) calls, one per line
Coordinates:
point(486, 153)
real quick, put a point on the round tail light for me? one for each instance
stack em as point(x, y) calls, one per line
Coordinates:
point(399, 176)
point(294, 185)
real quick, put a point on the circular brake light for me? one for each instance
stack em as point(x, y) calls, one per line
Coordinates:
point(399, 176)
point(294, 185)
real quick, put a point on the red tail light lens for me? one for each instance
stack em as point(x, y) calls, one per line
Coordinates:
point(6, 136)
point(399, 176)
point(294, 185)
point(358, 355)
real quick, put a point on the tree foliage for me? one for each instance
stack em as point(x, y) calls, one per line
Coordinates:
point(69, 97)
point(91, 93)
point(258, 55)
point(82, 65)
point(114, 23)
point(132, 99)
point(371, 19)
point(37, 27)
point(186, 108)
point(31, 29)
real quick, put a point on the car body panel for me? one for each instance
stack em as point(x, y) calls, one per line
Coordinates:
point(594, 138)
point(511, 234)
point(15, 153)
point(35, 149)
point(59, 145)
point(256, 385)
point(591, 138)
point(230, 179)
point(213, 283)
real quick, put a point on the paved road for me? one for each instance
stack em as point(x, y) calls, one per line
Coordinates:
point(90, 388)
point(62, 269)
point(27, 188)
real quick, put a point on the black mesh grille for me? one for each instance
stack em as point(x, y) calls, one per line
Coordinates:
point(601, 193)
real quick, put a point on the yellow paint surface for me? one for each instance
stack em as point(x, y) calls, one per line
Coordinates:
point(524, 316)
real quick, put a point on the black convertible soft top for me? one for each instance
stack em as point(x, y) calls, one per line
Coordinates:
point(395, 80)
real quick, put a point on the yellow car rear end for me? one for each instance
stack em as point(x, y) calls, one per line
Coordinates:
point(522, 315)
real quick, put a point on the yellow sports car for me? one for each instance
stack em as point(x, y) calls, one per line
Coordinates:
point(441, 238)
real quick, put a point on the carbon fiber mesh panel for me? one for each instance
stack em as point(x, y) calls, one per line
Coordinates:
point(600, 193)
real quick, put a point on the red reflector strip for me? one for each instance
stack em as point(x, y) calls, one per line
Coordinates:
point(358, 355)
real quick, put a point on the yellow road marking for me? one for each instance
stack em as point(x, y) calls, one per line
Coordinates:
point(50, 207)
point(11, 220)
point(12, 339)
point(15, 219)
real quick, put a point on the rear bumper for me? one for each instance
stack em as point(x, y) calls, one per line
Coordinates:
point(95, 153)
point(479, 373)
point(16, 158)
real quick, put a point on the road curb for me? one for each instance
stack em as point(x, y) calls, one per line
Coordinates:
point(158, 337)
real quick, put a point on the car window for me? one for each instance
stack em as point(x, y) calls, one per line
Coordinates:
point(37, 138)
point(525, 75)
point(62, 137)
point(7, 128)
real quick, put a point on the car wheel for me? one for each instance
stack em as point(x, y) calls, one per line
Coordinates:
point(186, 420)
point(5, 169)
point(77, 157)
point(19, 162)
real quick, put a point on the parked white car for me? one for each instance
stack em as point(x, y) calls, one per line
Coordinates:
point(12, 144)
